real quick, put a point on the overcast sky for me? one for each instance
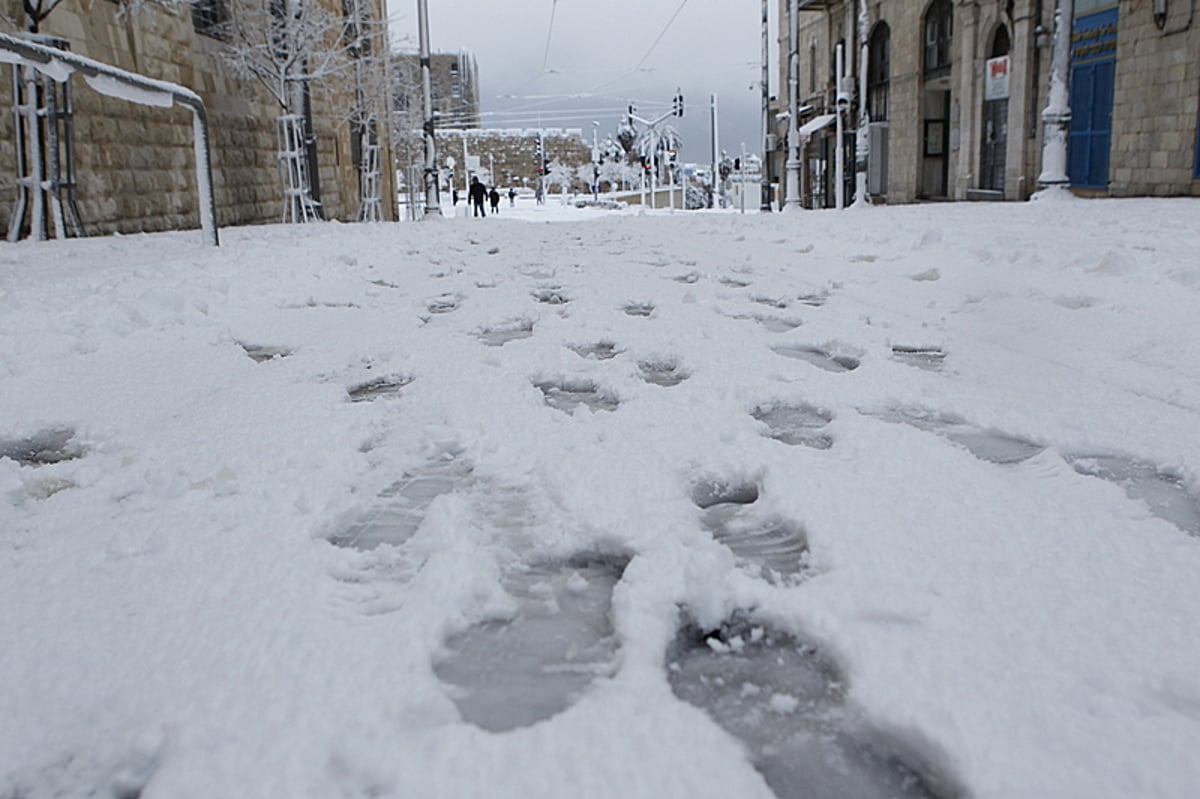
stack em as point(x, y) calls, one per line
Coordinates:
point(565, 63)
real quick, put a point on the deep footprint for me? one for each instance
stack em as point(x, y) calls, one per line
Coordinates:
point(930, 358)
point(261, 353)
point(380, 387)
point(500, 335)
point(828, 361)
point(43, 448)
point(784, 701)
point(396, 519)
point(777, 547)
point(568, 395)
point(662, 373)
point(600, 351)
point(987, 445)
point(1164, 494)
point(512, 673)
point(796, 424)
point(639, 309)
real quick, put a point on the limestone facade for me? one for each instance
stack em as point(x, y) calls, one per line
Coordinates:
point(134, 163)
point(945, 140)
point(454, 80)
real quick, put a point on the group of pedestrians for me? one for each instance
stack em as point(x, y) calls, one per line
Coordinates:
point(478, 194)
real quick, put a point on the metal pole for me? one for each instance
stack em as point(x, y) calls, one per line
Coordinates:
point(862, 139)
point(1057, 115)
point(792, 192)
point(766, 111)
point(653, 165)
point(433, 204)
point(714, 201)
point(839, 156)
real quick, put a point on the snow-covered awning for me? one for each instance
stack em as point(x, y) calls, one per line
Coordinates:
point(813, 125)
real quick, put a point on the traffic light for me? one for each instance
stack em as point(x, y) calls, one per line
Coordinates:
point(677, 103)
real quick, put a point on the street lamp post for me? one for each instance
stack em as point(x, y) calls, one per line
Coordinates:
point(1057, 115)
point(862, 138)
point(792, 190)
point(766, 111)
point(433, 204)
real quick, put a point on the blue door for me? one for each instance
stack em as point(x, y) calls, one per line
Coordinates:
point(1093, 67)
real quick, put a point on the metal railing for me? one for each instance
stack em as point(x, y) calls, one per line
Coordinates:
point(113, 82)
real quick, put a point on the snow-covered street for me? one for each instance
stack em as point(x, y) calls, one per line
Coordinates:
point(571, 503)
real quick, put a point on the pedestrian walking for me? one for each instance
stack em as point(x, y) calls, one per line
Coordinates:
point(512, 198)
point(478, 193)
point(494, 199)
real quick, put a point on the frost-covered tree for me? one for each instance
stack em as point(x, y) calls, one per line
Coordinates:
point(288, 47)
point(616, 173)
point(362, 95)
point(562, 176)
point(36, 11)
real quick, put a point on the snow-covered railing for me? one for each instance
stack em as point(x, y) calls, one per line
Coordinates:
point(113, 82)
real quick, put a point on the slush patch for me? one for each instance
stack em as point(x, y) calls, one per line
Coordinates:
point(813, 299)
point(505, 674)
point(824, 359)
point(43, 448)
point(779, 303)
point(785, 701)
point(796, 424)
point(1163, 493)
point(568, 395)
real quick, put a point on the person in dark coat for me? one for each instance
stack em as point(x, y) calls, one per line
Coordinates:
point(478, 193)
point(494, 199)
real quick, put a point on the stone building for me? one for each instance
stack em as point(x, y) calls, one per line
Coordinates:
point(133, 163)
point(511, 156)
point(956, 90)
point(454, 78)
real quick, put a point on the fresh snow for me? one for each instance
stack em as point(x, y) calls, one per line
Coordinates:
point(580, 503)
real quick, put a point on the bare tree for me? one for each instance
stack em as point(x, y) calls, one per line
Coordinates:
point(287, 47)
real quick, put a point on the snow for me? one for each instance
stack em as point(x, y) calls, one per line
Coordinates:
point(280, 519)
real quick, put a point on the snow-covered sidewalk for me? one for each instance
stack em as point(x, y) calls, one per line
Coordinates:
point(902, 502)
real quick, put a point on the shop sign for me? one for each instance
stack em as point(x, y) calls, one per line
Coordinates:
point(995, 78)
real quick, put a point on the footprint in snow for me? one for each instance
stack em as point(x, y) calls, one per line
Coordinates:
point(504, 674)
point(785, 701)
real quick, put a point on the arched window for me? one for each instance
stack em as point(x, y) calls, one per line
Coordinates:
point(879, 53)
point(939, 37)
point(1000, 43)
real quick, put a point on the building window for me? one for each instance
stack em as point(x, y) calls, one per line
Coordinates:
point(812, 68)
point(878, 70)
point(209, 18)
point(939, 37)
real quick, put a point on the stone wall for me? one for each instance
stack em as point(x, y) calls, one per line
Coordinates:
point(1155, 103)
point(134, 163)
